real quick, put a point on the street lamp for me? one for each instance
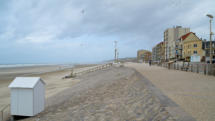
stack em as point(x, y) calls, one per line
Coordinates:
point(211, 17)
point(116, 52)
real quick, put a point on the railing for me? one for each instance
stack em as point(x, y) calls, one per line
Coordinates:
point(91, 69)
point(5, 113)
point(99, 67)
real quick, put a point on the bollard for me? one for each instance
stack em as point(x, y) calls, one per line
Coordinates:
point(191, 68)
point(174, 66)
point(12, 118)
point(204, 69)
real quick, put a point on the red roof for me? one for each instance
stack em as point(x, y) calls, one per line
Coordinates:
point(186, 35)
point(160, 43)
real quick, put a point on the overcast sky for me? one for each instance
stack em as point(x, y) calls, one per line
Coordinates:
point(84, 31)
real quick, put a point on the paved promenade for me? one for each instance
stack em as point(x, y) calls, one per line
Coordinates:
point(195, 93)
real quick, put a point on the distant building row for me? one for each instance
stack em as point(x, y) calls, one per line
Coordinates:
point(181, 44)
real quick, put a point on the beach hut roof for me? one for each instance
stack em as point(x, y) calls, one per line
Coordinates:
point(25, 82)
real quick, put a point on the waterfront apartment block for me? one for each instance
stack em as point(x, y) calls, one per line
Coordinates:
point(161, 51)
point(158, 53)
point(171, 35)
point(143, 55)
point(192, 46)
point(140, 54)
point(206, 47)
point(155, 54)
point(147, 56)
point(179, 49)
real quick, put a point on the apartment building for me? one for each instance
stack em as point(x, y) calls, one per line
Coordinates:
point(161, 51)
point(147, 56)
point(179, 49)
point(206, 47)
point(192, 46)
point(143, 55)
point(155, 54)
point(170, 37)
point(158, 53)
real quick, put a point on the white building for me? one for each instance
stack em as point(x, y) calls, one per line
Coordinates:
point(170, 37)
point(27, 96)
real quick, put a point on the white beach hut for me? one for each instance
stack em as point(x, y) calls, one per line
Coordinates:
point(27, 96)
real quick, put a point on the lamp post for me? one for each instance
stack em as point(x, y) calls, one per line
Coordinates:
point(211, 17)
point(115, 52)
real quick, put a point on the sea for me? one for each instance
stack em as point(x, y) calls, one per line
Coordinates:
point(23, 68)
point(35, 65)
point(21, 65)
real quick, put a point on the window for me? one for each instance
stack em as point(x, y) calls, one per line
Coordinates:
point(195, 45)
point(207, 52)
point(195, 52)
point(188, 46)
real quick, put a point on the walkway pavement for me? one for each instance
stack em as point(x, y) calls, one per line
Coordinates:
point(195, 93)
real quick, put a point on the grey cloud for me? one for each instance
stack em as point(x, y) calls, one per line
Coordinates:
point(135, 24)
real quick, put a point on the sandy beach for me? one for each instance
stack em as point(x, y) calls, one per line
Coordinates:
point(8, 74)
point(52, 75)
